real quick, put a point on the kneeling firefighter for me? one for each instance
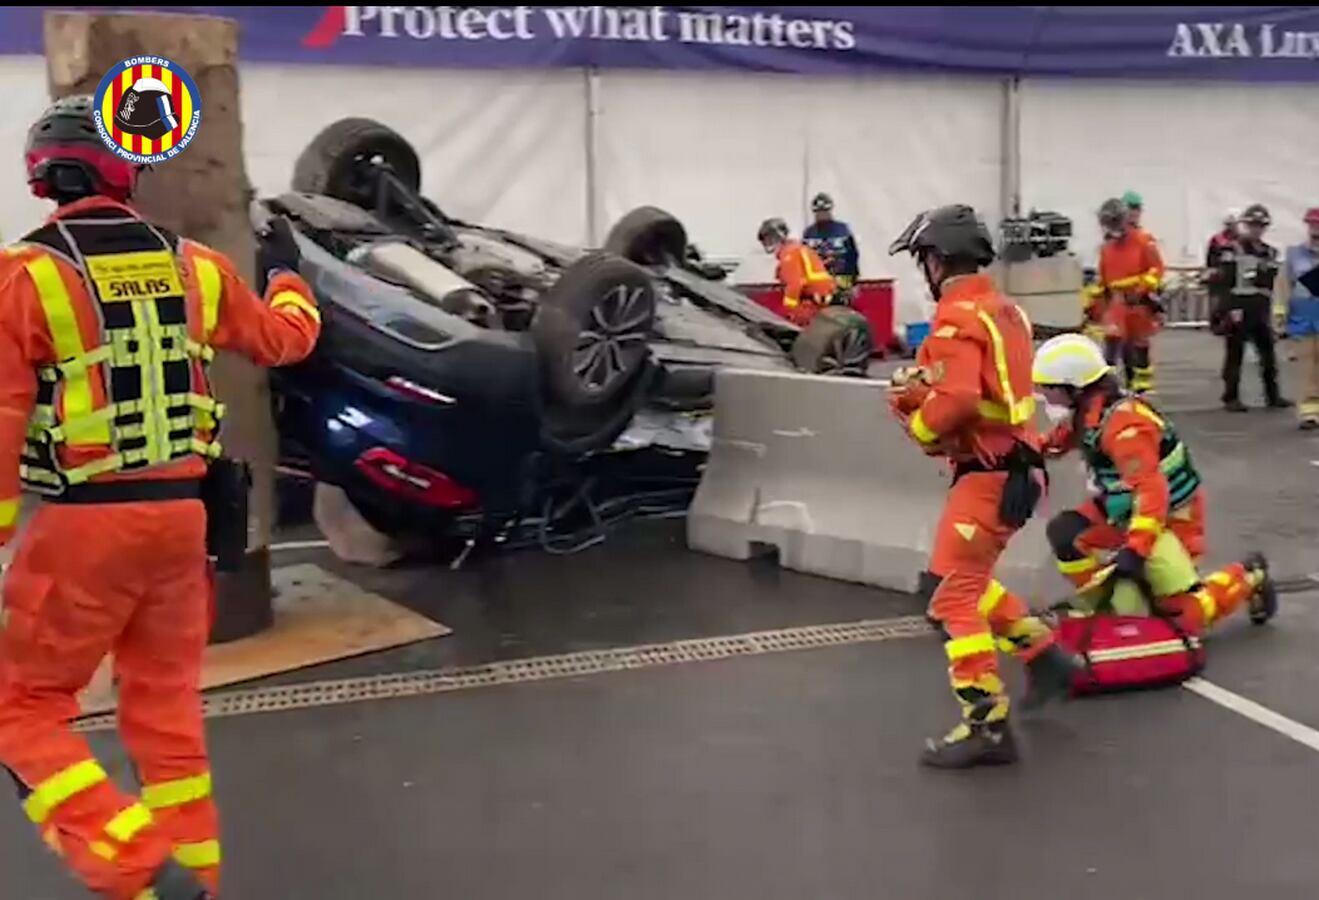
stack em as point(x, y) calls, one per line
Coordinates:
point(807, 284)
point(1147, 489)
point(970, 400)
point(107, 324)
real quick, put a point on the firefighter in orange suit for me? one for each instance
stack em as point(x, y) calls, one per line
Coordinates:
point(1124, 297)
point(807, 284)
point(970, 399)
point(107, 324)
point(1145, 484)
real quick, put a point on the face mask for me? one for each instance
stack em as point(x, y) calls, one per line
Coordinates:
point(1057, 413)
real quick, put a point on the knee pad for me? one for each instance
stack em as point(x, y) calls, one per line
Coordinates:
point(1063, 531)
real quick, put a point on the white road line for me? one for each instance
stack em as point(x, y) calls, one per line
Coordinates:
point(299, 545)
point(1262, 715)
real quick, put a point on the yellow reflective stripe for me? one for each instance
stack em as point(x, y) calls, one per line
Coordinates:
point(1152, 279)
point(997, 412)
point(9, 512)
point(1145, 523)
point(1001, 364)
point(293, 298)
point(990, 599)
point(60, 787)
point(812, 273)
point(168, 794)
point(1077, 566)
point(129, 823)
point(208, 278)
point(203, 855)
point(960, 648)
point(1139, 651)
point(1222, 578)
point(1207, 605)
point(1094, 291)
point(920, 431)
point(103, 850)
point(1129, 281)
point(63, 325)
point(110, 463)
point(1143, 410)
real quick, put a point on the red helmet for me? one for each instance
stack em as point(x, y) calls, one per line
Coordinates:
point(1312, 216)
point(66, 158)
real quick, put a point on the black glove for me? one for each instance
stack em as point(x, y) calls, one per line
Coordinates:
point(1129, 565)
point(277, 250)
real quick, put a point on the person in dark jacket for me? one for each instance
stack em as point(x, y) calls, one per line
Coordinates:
point(1241, 276)
point(834, 242)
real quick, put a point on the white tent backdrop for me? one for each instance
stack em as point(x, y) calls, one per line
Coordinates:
point(564, 153)
point(1193, 150)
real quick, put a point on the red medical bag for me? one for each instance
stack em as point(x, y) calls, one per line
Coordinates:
point(1122, 652)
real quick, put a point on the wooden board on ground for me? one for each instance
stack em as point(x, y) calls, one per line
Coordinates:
point(319, 618)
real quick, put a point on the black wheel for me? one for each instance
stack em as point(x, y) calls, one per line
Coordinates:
point(649, 237)
point(836, 342)
point(582, 430)
point(592, 331)
point(332, 163)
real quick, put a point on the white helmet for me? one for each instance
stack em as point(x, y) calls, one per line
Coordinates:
point(1069, 360)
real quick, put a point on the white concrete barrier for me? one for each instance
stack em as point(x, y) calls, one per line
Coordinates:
point(818, 468)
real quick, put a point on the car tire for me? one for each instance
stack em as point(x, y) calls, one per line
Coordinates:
point(573, 432)
point(648, 236)
point(836, 342)
point(327, 164)
point(592, 331)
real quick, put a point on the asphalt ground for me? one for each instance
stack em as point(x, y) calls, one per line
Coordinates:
point(777, 774)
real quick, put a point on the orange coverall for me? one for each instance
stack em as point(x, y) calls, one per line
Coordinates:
point(1130, 271)
point(974, 405)
point(128, 578)
point(1132, 438)
point(804, 277)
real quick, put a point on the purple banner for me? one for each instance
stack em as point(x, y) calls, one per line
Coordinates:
point(1241, 43)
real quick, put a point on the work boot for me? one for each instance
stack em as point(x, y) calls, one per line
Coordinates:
point(1309, 423)
point(174, 882)
point(1264, 601)
point(1280, 403)
point(1049, 677)
point(968, 745)
point(1235, 406)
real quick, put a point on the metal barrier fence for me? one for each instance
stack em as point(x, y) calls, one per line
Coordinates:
point(1185, 297)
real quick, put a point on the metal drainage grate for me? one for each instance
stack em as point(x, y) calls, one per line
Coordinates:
point(542, 668)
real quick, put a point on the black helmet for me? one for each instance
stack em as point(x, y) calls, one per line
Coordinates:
point(822, 202)
point(66, 121)
point(775, 229)
point(1256, 214)
point(66, 158)
point(951, 232)
point(1112, 214)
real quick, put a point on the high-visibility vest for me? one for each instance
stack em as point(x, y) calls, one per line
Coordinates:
point(140, 388)
point(1174, 462)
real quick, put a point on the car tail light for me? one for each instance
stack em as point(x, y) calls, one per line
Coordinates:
point(422, 484)
point(418, 391)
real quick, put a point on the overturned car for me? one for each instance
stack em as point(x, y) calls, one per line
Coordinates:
point(463, 368)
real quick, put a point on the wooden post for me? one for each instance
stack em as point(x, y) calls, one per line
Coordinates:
point(203, 194)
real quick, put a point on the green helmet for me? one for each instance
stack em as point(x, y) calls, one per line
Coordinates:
point(1133, 200)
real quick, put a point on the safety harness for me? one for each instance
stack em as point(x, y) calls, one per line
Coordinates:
point(1174, 461)
point(141, 391)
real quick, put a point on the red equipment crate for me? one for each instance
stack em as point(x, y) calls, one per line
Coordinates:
point(873, 298)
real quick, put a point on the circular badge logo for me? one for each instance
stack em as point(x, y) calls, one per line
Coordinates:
point(147, 109)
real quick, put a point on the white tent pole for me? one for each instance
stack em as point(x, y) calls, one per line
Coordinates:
point(592, 137)
point(1010, 177)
